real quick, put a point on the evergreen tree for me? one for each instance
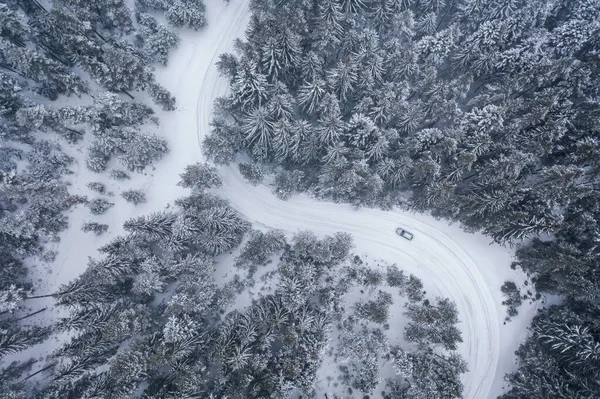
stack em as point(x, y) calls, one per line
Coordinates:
point(186, 13)
point(199, 177)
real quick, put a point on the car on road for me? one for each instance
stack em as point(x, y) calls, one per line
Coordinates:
point(404, 234)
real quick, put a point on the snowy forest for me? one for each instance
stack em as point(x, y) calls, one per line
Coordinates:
point(481, 112)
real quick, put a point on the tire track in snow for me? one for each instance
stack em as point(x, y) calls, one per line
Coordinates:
point(443, 265)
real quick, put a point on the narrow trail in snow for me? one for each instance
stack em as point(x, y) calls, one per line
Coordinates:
point(446, 269)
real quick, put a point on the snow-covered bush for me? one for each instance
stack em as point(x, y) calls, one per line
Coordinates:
point(513, 301)
point(434, 324)
point(259, 247)
point(414, 289)
point(161, 96)
point(395, 277)
point(143, 150)
point(49, 256)
point(186, 13)
point(96, 160)
point(99, 205)
point(134, 196)
point(11, 298)
point(252, 172)
point(376, 311)
point(96, 228)
point(200, 176)
point(97, 187)
point(118, 174)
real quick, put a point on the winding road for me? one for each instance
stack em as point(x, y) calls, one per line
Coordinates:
point(450, 262)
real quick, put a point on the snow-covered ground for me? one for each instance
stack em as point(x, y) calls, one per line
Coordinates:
point(450, 262)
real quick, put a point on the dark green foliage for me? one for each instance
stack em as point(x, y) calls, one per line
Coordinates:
point(159, 5)
point(156, 226)
point(294, 359)
point(362, 346)
point(331, 250)
point(115, 125)
point(13, 340)
point(103, 15)
point(11, 383)
point(562, 268)
point(370, 277)
point(93, 37)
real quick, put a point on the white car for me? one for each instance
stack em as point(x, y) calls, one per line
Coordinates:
point(404, 234)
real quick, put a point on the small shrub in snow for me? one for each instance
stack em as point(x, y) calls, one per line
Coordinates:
point(395, 277)
point(76, 200)
point(118, 175)
point(96, 228)
point(97, 187)
point(200, 176)
point(513, 301)
point(372, 278)
point(376, 311)
point(49, 256)
point(134, 196)
point(252, 172)
point(99, 205)
point(161, 96)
